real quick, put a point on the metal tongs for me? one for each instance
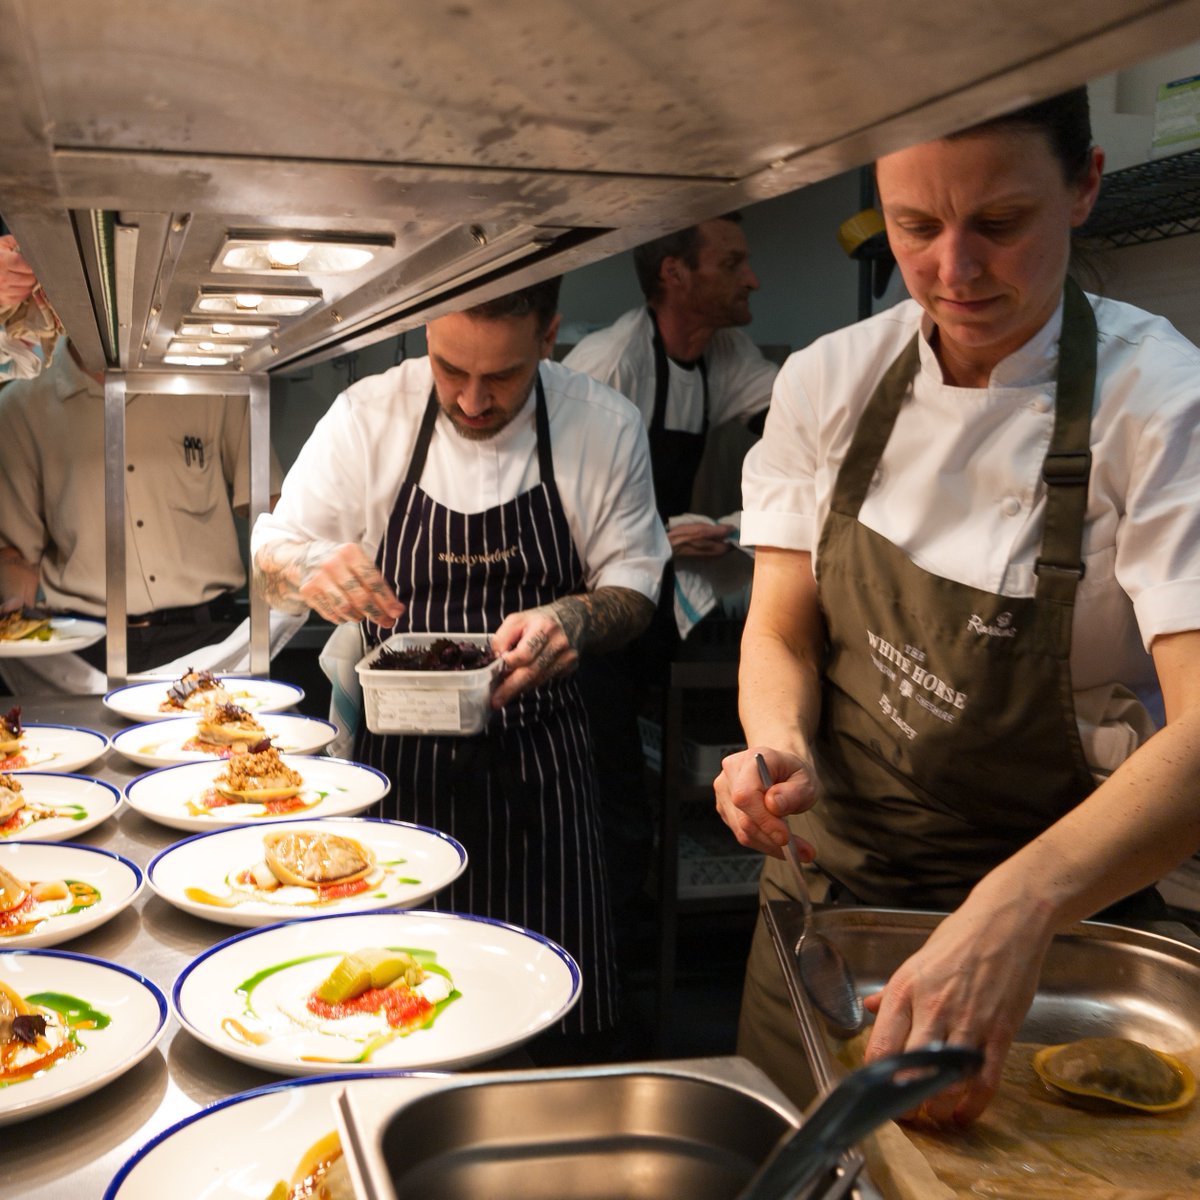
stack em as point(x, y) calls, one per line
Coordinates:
point(826, 975)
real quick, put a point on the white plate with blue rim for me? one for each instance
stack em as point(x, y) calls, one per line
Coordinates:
point(54, 748)
point(249, 997)
point(115, 1018)
point(71, 891)
point(59, 807)
point(163, 743)
point(67, 634)
point(144, 701)
point(185, 796)
point(209, 875)
point(246, 1145)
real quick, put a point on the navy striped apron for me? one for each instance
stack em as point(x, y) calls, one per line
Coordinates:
point(521, 797)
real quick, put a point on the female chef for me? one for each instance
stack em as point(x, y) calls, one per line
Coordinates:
point(978, 537)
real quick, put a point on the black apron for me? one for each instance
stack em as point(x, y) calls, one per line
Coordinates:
point(521, 796)
point(674, 453)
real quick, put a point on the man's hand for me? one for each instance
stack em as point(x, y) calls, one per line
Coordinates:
point(17, 280)
point(756, 815)
point(544, 643)
point(971, 984)
point(18, 581)
point(698, 539)
point(535, 648)
point(338, 581)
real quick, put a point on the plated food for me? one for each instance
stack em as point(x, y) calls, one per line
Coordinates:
point(46, 806)
point(227, 1138)
point(250, 876)
point(216, 794)
point(51, 893)
point(257, 997)
point(192, 691)
point(29, 635)
point(194, 739)
point(68, 1025)
point(31, 623)
point(46, 747)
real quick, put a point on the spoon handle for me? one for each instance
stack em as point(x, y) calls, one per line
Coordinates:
point(791, 854)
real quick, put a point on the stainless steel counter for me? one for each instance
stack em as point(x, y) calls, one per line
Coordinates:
point(73, 1152)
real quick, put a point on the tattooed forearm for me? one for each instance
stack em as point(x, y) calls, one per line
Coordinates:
point(604, 619)
point(282, 568)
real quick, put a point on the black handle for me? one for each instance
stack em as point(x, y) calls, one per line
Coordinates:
point(857, 1106)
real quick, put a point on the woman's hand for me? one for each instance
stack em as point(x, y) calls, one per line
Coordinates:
point(756, 815)
point(971, 984)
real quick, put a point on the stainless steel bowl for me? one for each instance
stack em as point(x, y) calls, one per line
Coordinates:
point(641, 1131)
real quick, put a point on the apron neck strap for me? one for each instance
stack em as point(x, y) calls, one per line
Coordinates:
point(416, 464)
point(1065, 471)
point(662, 380)
point(1068, 462)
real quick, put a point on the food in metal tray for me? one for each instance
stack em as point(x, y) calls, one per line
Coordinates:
point(442, 655)
point(1104, 1073)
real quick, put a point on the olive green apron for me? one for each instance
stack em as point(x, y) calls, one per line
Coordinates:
point(948, 737)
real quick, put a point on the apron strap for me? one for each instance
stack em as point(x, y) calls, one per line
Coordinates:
point(873, 430)
point(1068, 462)
point(416, 464)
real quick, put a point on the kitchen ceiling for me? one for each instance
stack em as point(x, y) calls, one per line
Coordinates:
point(463, 148)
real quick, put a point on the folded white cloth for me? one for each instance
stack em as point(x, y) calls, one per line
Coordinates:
point(703, 582)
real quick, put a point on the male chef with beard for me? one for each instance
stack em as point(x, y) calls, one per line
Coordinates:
point(486, 488)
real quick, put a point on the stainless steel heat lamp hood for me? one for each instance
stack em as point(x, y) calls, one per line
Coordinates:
point(468, 146)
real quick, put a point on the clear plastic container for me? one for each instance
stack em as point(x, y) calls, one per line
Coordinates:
point(444, 702)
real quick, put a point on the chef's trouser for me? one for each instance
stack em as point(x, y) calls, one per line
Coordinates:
point(169, 633)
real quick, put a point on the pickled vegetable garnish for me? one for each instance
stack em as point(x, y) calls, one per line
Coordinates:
point(442, 655)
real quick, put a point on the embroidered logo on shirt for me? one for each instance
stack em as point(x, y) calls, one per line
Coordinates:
point(470, 560)
point(1003, 627)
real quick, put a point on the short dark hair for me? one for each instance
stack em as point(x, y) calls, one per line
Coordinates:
point(538, 299)
point(1065, 120)
point(685, 243)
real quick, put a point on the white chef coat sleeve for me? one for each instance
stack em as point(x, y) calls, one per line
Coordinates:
point(779, 472)
point(740, 377)
point(608, 481)
point(323, 497)
point(1158, 544)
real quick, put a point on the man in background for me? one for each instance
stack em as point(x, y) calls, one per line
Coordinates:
point(684, 361)
point(187, 472)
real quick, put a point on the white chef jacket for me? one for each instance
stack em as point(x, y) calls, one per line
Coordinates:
point(739, 377)
point(343, 485)
point(181, 540)
point(959, 485)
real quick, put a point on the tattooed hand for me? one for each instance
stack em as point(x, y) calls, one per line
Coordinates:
point(545, 643)
point(339, 581)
